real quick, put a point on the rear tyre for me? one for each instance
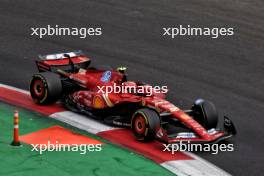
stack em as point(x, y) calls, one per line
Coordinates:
point(205, 113)
point(144, 124)
point(45, 88)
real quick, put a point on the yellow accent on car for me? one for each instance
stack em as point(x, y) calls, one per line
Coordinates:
point(121, 69)
point(98, 102)
point(107, 100)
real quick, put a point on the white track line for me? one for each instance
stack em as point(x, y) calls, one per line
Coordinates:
point(14, 88)
point(216, 169)
point(81, 122)
point(196, 167)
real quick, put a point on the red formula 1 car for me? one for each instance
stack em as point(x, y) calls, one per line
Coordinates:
point(69, 78)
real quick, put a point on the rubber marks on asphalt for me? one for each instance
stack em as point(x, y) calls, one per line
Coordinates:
point(25, 101)
point(57, 135)
point(152, 150)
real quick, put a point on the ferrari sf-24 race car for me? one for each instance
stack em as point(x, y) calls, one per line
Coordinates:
point(68, 77)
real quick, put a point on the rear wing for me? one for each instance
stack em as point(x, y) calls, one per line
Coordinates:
point(53, 62)
point(60, 56)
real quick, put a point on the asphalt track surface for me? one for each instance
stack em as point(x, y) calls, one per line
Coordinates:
point(227, 70)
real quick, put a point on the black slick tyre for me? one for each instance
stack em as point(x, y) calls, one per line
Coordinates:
point(205, 113)
point(45, 88)
point(144, 124)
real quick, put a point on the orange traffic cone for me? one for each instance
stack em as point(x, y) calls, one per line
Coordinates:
point(16, 130)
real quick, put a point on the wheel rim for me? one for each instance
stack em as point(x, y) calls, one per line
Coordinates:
point(38, 88)
point(140, 124)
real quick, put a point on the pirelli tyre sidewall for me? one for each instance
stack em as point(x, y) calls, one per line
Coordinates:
point(145, 123)
point(45, 88)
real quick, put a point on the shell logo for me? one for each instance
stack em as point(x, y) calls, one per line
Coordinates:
point(98, 102)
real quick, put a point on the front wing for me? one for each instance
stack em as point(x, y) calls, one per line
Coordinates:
point(216, 135)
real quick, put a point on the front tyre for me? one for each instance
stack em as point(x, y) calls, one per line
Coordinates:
point(144, 124)
point(205, 113)
point(45, 88)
